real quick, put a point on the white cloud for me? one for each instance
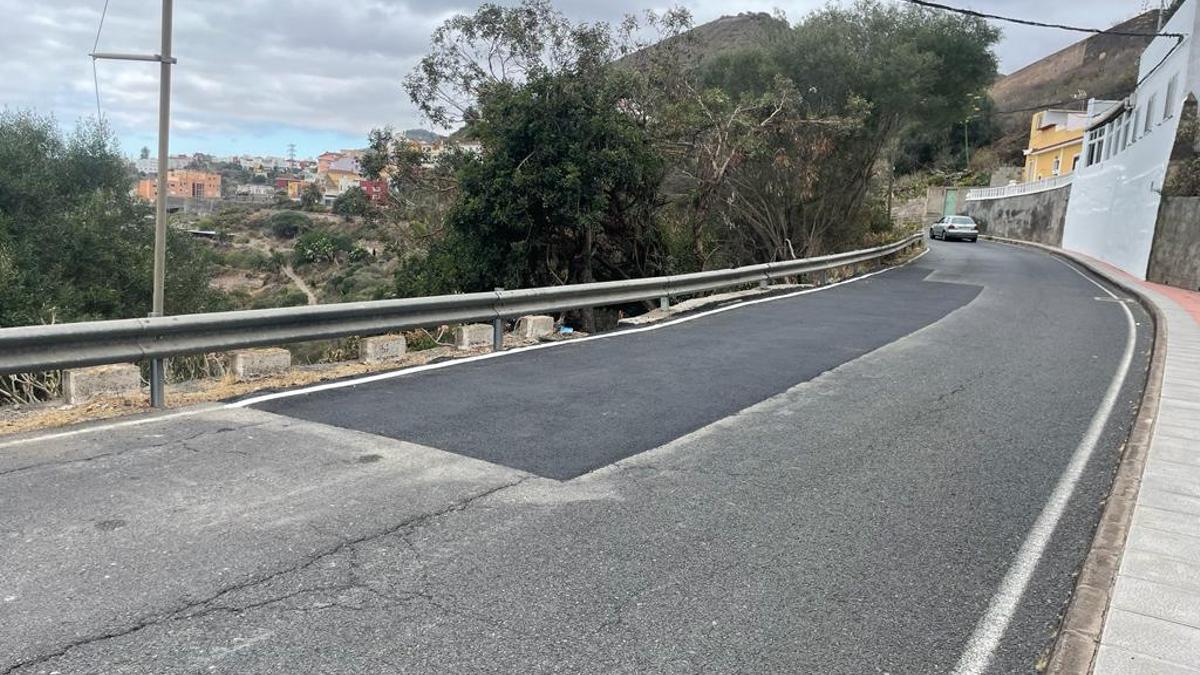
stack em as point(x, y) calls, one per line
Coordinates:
point(336, 67)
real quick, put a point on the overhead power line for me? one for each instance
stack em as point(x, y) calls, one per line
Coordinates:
point(1178, 37)
point(1041, 24)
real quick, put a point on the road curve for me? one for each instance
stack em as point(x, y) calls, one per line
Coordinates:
point(835, 482)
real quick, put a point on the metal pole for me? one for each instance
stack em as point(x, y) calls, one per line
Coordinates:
point(967, 143)
point(497, 331)
point(157, 374)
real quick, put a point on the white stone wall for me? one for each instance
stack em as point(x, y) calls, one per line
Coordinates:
point(1114, 201)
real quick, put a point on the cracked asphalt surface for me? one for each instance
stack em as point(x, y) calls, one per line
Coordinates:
point(855, 519)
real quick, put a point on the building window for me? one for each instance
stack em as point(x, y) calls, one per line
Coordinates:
point(1137, 122)
point(1057, 167)
point(1149, 112)
point(1074, 163)
point(1169, 102)
point(197, 189)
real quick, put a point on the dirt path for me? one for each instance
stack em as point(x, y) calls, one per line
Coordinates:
point(291, 274)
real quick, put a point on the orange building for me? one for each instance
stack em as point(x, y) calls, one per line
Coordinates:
point(325, 159)
point(183, 183)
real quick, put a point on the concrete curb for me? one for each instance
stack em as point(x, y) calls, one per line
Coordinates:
point(1074, 650)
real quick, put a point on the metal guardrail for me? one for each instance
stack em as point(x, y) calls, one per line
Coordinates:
point(72, 345)
point(979, 194)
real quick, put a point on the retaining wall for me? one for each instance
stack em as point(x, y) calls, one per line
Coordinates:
point(1175, 256)
point(1036, 217)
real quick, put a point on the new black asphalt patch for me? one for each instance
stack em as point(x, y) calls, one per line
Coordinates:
point(568, 410)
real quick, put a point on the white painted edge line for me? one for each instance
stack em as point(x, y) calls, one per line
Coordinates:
point(546, 345)
point(985, 637)
point(108, 427)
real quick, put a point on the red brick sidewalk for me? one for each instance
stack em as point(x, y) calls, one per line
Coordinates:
point(1188, 300)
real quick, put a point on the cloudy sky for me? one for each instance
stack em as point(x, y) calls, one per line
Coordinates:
point(256, 75)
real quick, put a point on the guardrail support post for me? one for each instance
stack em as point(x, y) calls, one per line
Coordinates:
point(664, 303)
point(497, 331)
point(158, 383)
point(763, 284)
point(158, 380)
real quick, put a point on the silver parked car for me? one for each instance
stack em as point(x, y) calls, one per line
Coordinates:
point(954, 227)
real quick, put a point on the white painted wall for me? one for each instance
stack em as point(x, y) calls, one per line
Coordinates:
point(1114, 202)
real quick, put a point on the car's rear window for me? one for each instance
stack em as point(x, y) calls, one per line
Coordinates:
point(962, 221)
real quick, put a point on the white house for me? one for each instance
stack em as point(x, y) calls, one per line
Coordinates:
point(1116, 192)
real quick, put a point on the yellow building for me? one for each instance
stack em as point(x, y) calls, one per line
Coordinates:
point(1055, 142)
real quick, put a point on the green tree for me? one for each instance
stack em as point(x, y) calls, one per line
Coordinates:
point(352, 202)
point(566, 188)
point(869, 76)
point(74, 246)
point(288, 224)
point(145, 153)
point(311, 197)
point(321, 246)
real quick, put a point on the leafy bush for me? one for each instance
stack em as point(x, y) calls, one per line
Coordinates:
point(361, 283)
point(288, 224)
point(320, 246)
point(352, 202)
point(287, 296)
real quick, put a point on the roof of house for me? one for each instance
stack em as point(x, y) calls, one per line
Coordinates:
point(348, 164)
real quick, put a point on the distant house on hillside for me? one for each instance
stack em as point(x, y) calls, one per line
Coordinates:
point(377, 190)
point(325, 159)
point(183, 184)
point(255, 193)
point(150, 164)
point(293, 186)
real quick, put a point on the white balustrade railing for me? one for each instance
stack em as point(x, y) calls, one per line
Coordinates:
point(1052, 183)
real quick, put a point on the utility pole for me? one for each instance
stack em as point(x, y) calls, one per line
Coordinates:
point(165, 61)
point(967, 143)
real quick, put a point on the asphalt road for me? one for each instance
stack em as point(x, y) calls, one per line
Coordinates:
point(835, 482)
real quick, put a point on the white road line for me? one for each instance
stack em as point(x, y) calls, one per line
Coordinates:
point(107, 427)
point(991, 627)
point(545, 345)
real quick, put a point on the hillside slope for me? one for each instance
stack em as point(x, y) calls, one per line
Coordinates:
point(726, 33)
point(1101, 66)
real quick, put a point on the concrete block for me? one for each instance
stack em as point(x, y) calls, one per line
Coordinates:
point(82, 384)
point(534, 326)
point(472, 335)
point(249, 364)
point(381, 348)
